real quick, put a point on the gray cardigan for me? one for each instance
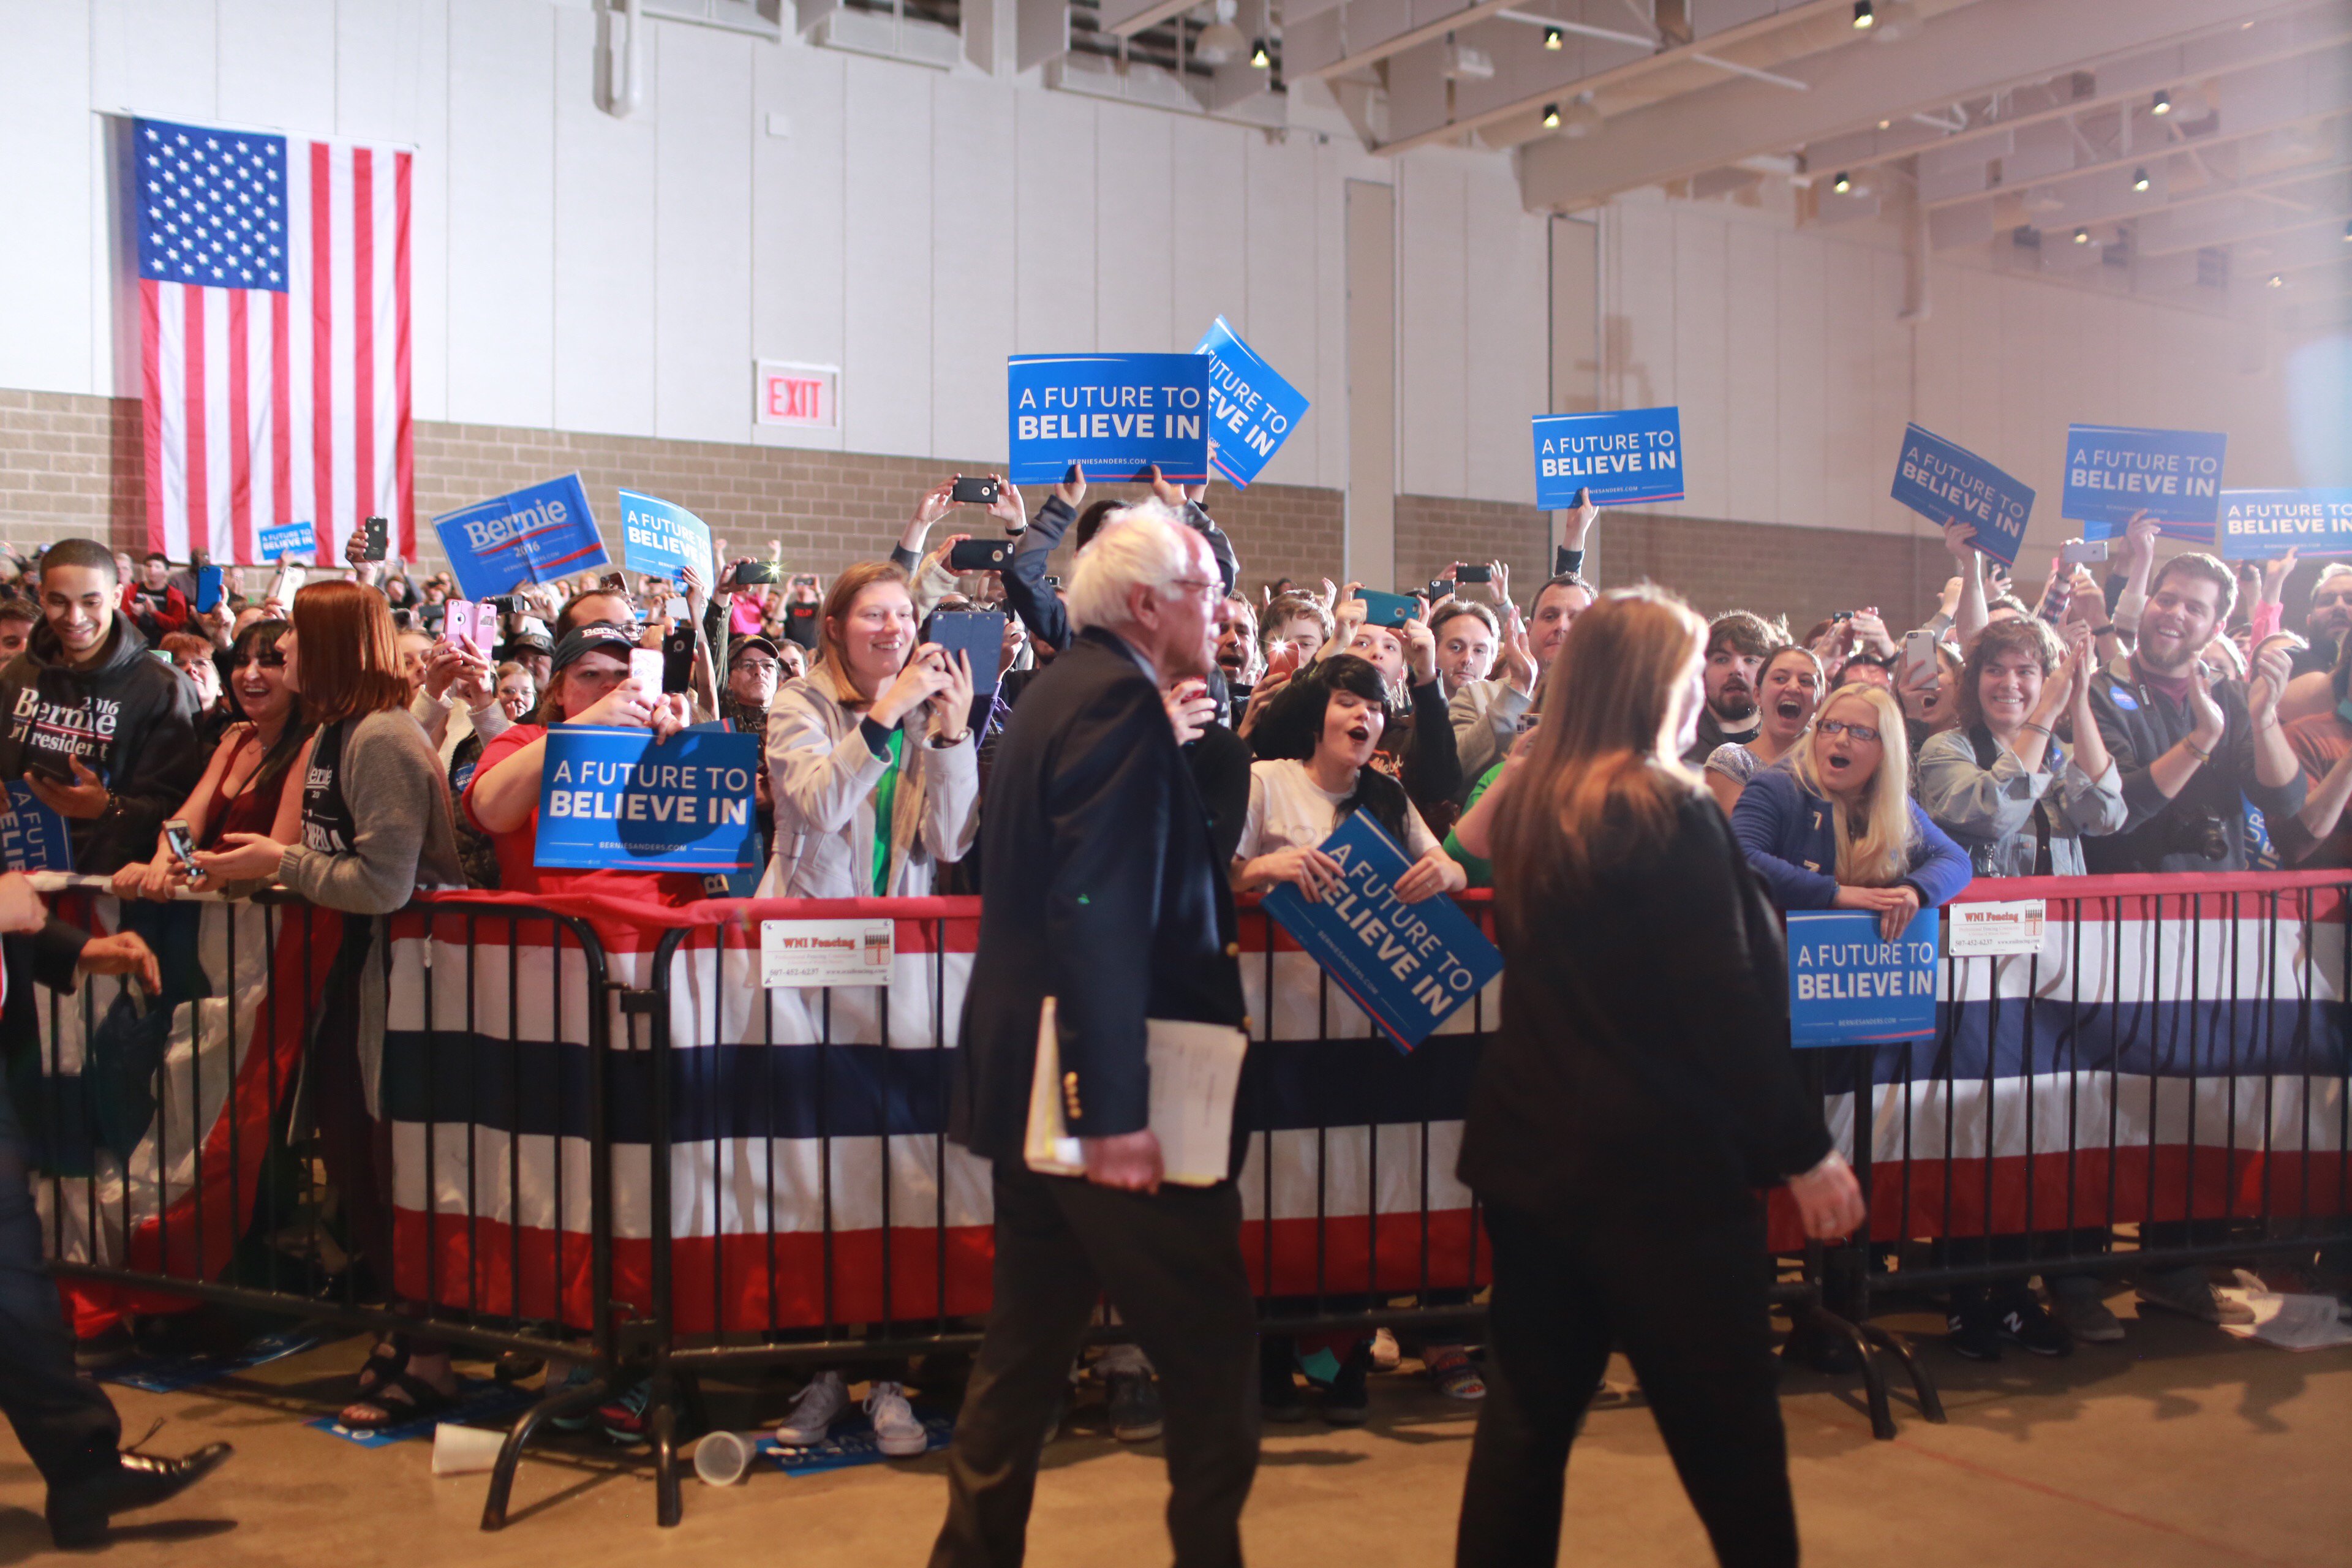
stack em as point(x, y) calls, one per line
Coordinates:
point(1990, 811)
point(403, 835)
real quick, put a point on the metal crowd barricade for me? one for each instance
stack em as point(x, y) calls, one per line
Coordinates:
point(612, 1143)
point(173, 1142)
point(2163, 1083)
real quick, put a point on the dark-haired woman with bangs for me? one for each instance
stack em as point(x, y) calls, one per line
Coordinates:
point(242, 785)
point(1637, 1091)
point(369, 825)
point(1317, 739)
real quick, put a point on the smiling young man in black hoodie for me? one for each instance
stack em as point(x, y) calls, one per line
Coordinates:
point(103, 733)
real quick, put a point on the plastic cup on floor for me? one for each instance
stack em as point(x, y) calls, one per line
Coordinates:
point(722, 1458)
point(465, 1450)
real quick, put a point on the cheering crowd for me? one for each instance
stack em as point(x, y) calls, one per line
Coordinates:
point(352, 740)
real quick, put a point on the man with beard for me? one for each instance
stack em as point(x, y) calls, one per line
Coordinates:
point(1238, 659)
point(1487, 714)
point(1738, 644)
point(2330, 616)
point(2193, 748)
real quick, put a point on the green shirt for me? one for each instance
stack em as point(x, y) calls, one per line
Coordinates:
point(1482, 872)
point(885, 797)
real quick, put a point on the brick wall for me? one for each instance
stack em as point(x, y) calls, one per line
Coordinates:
point(72, 465)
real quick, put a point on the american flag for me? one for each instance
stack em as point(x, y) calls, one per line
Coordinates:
point(273, 292)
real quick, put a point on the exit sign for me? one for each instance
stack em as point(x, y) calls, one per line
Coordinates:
point(807, 396)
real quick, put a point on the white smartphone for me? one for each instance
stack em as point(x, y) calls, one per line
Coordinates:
point(646, 669)
point(1918, 656)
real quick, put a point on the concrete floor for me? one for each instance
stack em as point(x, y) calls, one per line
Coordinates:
point(2180, 1447)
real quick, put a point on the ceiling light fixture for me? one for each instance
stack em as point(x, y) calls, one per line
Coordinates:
point(1862, 14)
point(2139, 179)
point(2082, 237)
point(2278, 280)
point(2163, 104)
point(2347, 234)
point(1886, 124)
point(1220, 41)
point(1551, 116)
point(1552, 38)
point(1842, 183)
point(1260, 57)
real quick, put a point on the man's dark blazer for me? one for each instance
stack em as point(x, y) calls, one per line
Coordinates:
point(1099, 888)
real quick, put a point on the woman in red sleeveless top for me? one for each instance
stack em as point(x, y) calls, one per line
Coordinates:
point(240, 789)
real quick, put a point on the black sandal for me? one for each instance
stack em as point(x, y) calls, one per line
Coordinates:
point(380, 1369)
point(424, 1400)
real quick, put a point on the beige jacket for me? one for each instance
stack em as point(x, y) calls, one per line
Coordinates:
point(823, 775)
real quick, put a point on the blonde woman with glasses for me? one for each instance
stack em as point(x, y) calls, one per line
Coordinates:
point(1835, 826)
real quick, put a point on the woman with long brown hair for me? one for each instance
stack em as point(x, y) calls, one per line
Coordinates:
point(368, 827)
point(1637, 1091)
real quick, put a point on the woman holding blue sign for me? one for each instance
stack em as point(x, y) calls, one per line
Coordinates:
point(1836, 826)
point(1637, 1091)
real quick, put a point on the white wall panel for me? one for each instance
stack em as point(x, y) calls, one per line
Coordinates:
point(702, 232)
point(1890, 393)
point(1135, 217)
point(1277, 310)
point(1208, 226)
point(974, 276)
point(798, 200)
point(1641, 325)
point(277, 65)
point(1751, 385)
point(1845, 283)
point(45, 105)
point(155, 57)
point(887, 310)
point(1802, 450)
point(1700, 258)
point(1432, 379)
point(1053, 216)
point(604, 183)
point(1505, 337)
point(501, 254)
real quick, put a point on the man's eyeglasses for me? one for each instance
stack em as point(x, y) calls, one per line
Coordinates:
point(1863, 733)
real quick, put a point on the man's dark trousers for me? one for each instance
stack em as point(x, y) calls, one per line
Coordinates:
point(1171, 1262)
point(66, 1422)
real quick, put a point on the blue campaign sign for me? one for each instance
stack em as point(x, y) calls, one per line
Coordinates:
point(2260, 524)
point(2115, 470)
point(525, 536)
point(1945, 482)
point(616, 800)
point(1848, 985)
point(1408, 966)
point(1252, 410)
point(294, 539)
point(1113, 415)
point(660, 540)
point(1623, 455)
point(32, 836)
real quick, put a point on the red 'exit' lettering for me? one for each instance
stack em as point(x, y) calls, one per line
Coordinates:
point(794, 398)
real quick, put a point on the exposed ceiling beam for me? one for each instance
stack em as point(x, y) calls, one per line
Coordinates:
point(1125, 18)
point(1971, 50)
point(2272, 224)
point(2266, 42)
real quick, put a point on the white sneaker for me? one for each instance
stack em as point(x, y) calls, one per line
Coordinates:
point(814, 1412)
point(896, 1431)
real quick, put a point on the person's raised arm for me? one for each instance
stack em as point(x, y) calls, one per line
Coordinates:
point(2139, 561)
point(1024, 574)
point(1971, 615)
point(1576, 533)
point(2274, 767)
point(936, 504)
